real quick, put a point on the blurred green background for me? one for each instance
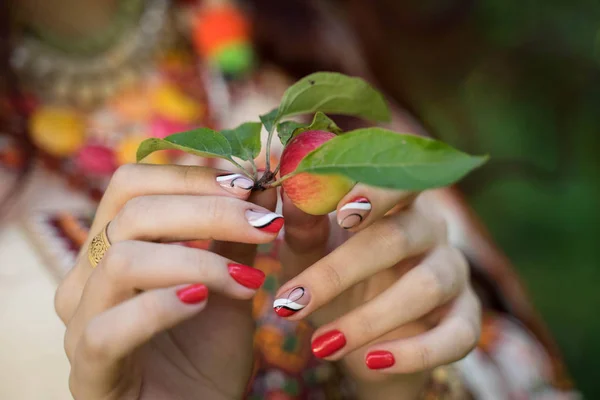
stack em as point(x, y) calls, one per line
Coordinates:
point(520, 80)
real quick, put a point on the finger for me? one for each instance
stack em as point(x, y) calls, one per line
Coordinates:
point(134, 180)
point(131, 266)
point(305, 238)
point(116, 333)
point(380, 246)
point(439, 278)
point(241, 252)
point(170, 218)
point(455, 336)
point(365, 204)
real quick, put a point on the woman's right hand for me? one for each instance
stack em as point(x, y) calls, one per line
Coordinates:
point(139, 325)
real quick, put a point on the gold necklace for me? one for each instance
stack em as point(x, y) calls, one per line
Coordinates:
point(60, 77)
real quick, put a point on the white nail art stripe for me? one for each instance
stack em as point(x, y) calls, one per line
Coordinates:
point(356, 206)
point(258, 220)
point(288, 304)
point(233, 178)
point(229, 177)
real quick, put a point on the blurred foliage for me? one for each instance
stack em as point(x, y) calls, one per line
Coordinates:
point(520, 80)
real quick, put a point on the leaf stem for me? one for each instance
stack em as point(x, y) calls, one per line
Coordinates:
point(254, 170)
point(276, 170)
point(231, 160)
point(268, 151)
point(279, 181)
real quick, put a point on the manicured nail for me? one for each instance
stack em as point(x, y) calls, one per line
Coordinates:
point(328, 343)
point(193, 294)
point(354, 212)
point(237, 184)
point(291, 301)
point(249, 277)
point(379, 359)
point(266, 221)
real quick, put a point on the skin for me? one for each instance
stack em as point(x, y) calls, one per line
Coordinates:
point(162, 348)
point(129, 337)
point(393, 283)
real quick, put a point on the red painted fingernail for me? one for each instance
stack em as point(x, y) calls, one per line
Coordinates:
point(328, 343)
point(379, 359)
point(193, 294)
point(265, 221)
point(246, 276)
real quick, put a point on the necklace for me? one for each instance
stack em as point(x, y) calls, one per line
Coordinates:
point(65, 77)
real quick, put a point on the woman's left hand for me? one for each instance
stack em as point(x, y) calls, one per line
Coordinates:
point(392, 298)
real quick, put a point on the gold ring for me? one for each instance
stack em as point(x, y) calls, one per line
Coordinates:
point(98, 247)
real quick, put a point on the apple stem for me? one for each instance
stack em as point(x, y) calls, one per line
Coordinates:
point(264, 182)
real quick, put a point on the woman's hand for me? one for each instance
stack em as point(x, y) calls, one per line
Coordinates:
point(139, 325)
point(392, 298)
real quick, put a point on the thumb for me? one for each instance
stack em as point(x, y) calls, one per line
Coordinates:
point(242, 252)
point(306, 238)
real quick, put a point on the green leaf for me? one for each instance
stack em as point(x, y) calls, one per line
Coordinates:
point(287, 130)
point(244, 140)
point(202, 142)
point(334, 93)
point(269, 119)
point(383, 158)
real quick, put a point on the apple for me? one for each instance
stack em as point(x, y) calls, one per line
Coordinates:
point(314, 194)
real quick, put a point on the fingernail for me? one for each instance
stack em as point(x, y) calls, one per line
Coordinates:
point(354, 212)
point(379, 359)
point(328, 343)
point(291, 301)
point(193, 294)
point(237, 184)
point(249, 277)
point(265, 221)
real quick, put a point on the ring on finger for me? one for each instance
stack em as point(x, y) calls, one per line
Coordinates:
point(98, 247)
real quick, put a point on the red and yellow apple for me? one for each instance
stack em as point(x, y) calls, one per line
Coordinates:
point(312, 193)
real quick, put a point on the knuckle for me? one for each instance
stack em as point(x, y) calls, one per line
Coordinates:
point(424, 358)
point(466, 335)
point(62, 300)
point(213, 209)
point(69, 342)
point(130, 213)
point(331, 278)
point(116, 261)
point(391, 233)
point(365, 325)
point(207, 272)
point(123, 176)
point(94, 346)
point(189, 178)
point(460, 263)
point(431, 285)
